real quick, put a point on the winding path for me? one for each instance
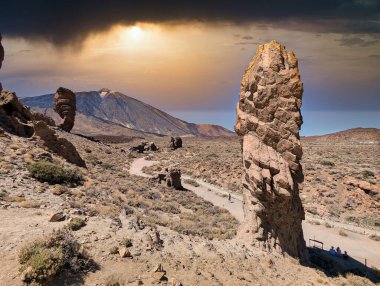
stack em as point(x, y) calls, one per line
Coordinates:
point(357, 245)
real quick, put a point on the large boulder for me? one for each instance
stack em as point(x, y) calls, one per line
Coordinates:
point(268, 122)
point(65, 106)
point(175, 143)
point(173, 178)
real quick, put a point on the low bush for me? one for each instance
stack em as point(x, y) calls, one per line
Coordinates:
point(114, 250)
point(343, 233)
point(44, 258)
point(327, 163)
point(76, 223)
point(54, 173)
point(367, 174)
point(127, 242)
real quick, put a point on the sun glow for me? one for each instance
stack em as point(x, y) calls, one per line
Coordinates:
point(136, 33)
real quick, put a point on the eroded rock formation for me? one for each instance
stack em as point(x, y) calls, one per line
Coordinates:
point(268, 121)
point(175, 143)
point(65, 106)
point(15, 118)
point(172, 177)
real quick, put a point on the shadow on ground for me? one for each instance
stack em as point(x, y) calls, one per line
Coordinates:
point(334, 266)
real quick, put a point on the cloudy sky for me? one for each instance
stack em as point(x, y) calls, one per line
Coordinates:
point(188, 57)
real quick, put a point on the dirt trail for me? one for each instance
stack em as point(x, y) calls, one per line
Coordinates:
point(356, 244)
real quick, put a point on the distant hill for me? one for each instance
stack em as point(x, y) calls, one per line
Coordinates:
point(354, 134)
point(109, 113)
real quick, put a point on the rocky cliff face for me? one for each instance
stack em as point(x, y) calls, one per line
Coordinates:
point(268, 121)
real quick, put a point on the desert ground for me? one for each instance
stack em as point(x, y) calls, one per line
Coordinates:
point(190, 232)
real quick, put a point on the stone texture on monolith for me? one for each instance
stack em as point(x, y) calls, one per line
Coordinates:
point(65, 106)
point(268, 122)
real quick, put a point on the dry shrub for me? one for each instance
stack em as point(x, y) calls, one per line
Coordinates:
point(44, 258)
point(54, 173)
point(76, 223)
point(343, 233)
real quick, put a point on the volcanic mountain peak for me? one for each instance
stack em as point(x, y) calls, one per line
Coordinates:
point(106, 112)
point(105, 91)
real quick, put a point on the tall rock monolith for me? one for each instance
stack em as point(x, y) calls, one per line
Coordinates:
point(268, 123)
point(65, 106)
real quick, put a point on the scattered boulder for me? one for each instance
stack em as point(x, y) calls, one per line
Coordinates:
point(65, 106)
point(148, 242)
point(57, 217)
point(175, 143)
point(124, 252)
point(151, 147)
point(144, 146)
point(173, 178)
point(136, 224)
point(43, 156)
point(159, 273)
point(268, 122)
point(158, 178)
point(365, 186)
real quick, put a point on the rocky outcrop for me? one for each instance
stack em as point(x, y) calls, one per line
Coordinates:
point(15, 118)
point(58, 145)
point(268, 121)
point(37, 116)
point(144, 146)
point(65, 106)
point(175, 143)
point(172, 178)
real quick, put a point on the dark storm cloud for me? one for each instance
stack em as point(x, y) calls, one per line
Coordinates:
point(63, 22)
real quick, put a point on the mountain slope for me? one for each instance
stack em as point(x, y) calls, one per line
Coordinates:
point(353, 134)
point(106, 112)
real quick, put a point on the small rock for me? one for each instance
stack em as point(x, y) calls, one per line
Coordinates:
point(57, 217)
point(124, 252)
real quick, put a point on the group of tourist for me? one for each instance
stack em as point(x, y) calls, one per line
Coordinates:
point(338, 252)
